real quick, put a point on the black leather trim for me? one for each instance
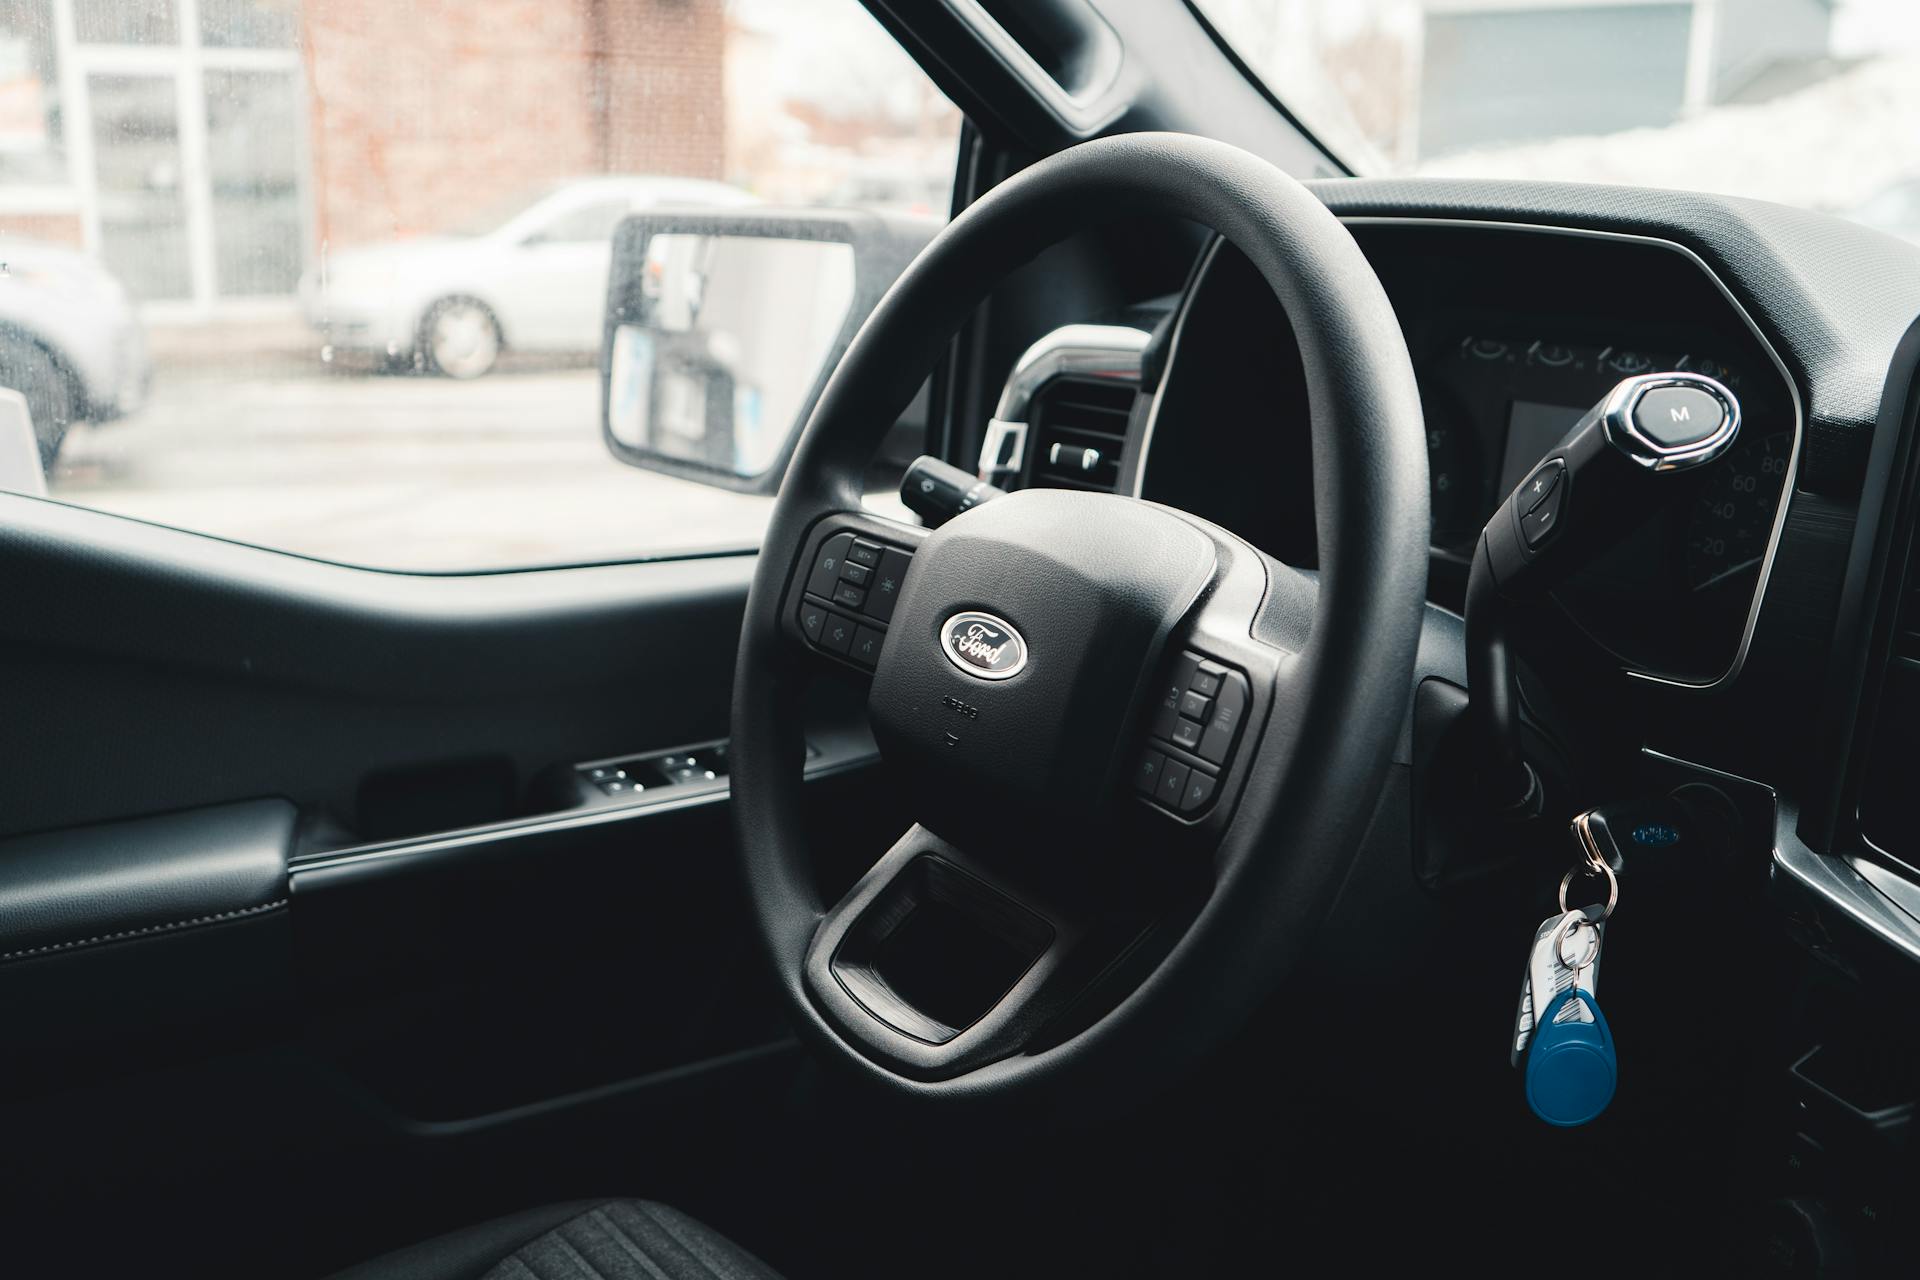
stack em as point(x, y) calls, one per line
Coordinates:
point(61, 891)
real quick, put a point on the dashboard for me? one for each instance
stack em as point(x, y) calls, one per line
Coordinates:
point(1754, 635)
point(1514, 333)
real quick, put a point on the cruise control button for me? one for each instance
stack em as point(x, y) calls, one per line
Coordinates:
point(857, 574)
point(866, 646)
point(1146, 774)
point(827, 562)
point(1195, 705)
point(865, 554)
point(812, 618)
point(1173, 784)
point(1186, 733)
point(847, 594)
point(888, 578)
point(1229, 709)
point(1199, 792)
point(837, 635)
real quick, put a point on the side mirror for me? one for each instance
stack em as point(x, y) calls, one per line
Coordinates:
point(20, 469)
point(722, 329)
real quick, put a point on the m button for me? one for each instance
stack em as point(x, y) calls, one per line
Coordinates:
point(1675, 417)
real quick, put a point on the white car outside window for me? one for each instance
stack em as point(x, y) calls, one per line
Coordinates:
point(535, 282)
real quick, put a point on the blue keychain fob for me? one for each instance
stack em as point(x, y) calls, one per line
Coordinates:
point(1571, 1071)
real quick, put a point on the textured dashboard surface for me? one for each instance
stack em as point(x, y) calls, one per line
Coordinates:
point(1834, 298)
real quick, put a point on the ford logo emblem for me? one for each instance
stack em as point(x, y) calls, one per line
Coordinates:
point(983, 646)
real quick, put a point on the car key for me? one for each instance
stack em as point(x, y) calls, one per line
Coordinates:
point(1571, 1068)
point(1546, 971)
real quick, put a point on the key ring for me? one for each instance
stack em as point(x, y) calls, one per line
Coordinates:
point(1570, 922)
point(1583, 833)
point(1600, 869)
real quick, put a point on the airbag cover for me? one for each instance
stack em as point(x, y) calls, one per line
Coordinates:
point(1091, 586)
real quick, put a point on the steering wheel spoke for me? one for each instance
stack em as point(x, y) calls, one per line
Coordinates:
point(937, 962)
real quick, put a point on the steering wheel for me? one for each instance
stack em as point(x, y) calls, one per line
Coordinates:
point(1142, 753)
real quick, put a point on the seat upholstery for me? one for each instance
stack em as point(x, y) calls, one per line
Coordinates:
point(584, 1240)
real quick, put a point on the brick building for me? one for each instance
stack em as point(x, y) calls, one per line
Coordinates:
point(206, 149)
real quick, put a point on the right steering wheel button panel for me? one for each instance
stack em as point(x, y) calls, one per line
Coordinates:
point(1196, 723)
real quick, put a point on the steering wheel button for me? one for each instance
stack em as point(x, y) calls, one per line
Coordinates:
point(1146, 774)
point(812, 619)
point(858, 574)
point(888, 577)
point(1228, 710)
point(847, 594)
point(865, 554)
point(827, 562)
point(866, 646)
point(1206, 683)
point(1195, 705)
point(1173, 784)
point(837, 635)
point(1541, 485)
point(1186, 733)
point(1199, 792)
point(1540, 523)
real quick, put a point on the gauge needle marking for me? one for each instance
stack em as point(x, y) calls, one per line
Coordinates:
point(1729, 572)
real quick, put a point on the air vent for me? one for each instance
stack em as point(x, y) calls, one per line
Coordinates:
point(1079, 428)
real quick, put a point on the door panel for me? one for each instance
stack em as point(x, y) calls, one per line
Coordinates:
point(535, 996)
point(149, 669)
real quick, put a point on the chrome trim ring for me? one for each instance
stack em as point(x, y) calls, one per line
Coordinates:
point(1623, 431)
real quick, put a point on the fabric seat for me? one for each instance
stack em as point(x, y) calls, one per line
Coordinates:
point(584, 1240)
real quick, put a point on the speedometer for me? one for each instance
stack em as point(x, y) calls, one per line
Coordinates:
point(1733, 520)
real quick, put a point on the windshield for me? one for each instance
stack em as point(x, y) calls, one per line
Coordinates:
point(1806, 102)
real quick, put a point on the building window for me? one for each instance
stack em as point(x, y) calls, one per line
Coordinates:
point(118, 22)
point(32, 148)
point(249, 24)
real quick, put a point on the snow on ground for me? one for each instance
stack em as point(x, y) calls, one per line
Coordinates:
point(1830, 145)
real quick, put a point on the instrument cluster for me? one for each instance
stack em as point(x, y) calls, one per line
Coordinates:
point(1514, 333)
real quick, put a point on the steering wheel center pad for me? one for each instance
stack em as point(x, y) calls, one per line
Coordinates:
point(1091, 585)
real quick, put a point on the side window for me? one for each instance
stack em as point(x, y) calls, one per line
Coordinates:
point(271, 269)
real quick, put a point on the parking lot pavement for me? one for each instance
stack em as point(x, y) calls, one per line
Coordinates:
point(398, 472)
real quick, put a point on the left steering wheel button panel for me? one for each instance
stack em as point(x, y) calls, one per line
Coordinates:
point(850, 589)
